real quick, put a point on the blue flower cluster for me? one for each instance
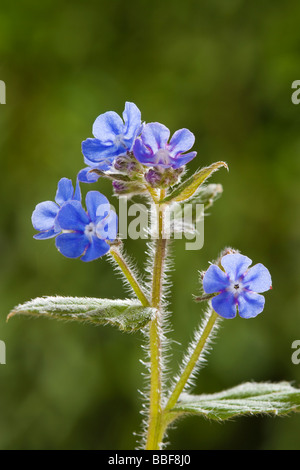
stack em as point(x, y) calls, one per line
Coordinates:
point(124, 148)
point(136, 155)
point(78, 233)
point(148, 144)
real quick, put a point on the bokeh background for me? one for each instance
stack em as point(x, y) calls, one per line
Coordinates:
point(222, 69)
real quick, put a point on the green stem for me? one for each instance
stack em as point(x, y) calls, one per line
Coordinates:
point(167, 415)
point(192, 362)
point(155, 409)
point(118, 257)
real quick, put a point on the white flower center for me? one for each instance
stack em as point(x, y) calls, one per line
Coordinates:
point(162, 156)
point(119, 141)
point(235, 288)
point(90, 230)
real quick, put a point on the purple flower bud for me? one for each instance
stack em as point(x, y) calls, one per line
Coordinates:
point(154, 178)
point(119, 187)
point(124, 188)
point(121, 164)
point(160, 178)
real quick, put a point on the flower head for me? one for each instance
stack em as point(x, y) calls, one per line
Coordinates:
point(113, 137)
point(238, 287)
point(155, 149)
point(85, 234)
point(44, 217)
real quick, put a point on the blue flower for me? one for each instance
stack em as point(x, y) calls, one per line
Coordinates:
point(238, 287)
point(155, 149)
point(113, 137)
point(44, 217)
point(85, 234)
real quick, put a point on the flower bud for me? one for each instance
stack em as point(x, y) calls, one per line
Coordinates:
point(162, 178)
point(129, 165)
point(153, 177)
point(121, 163)
point(127, 188)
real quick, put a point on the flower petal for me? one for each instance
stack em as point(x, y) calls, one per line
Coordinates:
point(47, 234)
point(257, 279)
point(107, 229)
point(73, 217)
point(235, 265)
point(133, 123)
point(107, 126)
point(96, 249)
point(143, 154)
point(44, 214)
point(155, 136)
point(77, 193)
point(96, 203)
point(215, 280)
point(65, 191)
point(96, 153)
point(181, 160)
point(181, 141)
point(87, 176)
point(71, 245)
point(224, 304)
point(250, 304)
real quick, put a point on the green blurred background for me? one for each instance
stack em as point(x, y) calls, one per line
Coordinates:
point(222, 69)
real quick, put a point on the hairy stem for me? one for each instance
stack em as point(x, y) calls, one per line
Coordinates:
point(155, 410)
point(119, 258)
point(192, 362)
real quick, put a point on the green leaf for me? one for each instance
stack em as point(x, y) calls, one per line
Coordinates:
point(246, 399)
point(187, 216)
point(207, 195)
point(187, 188)
point(127, 315)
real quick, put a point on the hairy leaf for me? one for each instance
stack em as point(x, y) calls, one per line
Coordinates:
point(127, 315)
point(185, 217)
point(246, 399)
point(207, 195)
point(187, 188)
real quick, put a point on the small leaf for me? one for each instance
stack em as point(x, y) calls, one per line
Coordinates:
point(207, 195)
point(127, 315)
point(187, 216)
point(246, 399)
point(187, 188)
point(112, 176)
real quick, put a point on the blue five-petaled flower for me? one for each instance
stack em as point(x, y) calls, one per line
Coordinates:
point(113, 137)
point(238, 288)
point(85, 234)
point(154, 148)
point(44, 217)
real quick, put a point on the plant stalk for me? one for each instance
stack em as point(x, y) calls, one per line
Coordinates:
point(192, 362)
point(155, 409)
point(118, 257)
